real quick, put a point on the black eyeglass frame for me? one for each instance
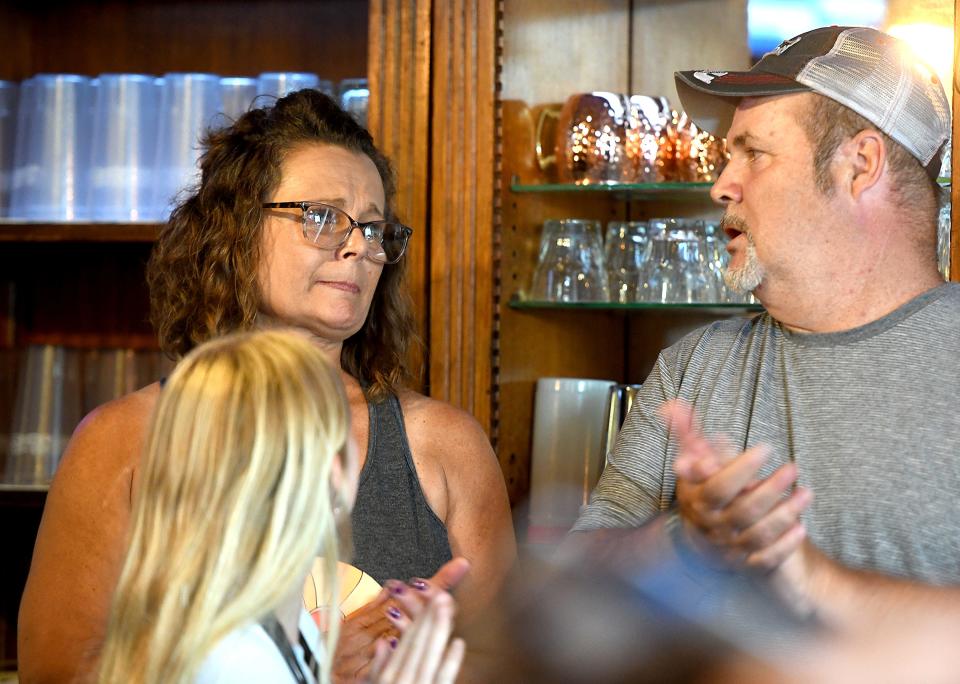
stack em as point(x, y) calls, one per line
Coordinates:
point(303, 205)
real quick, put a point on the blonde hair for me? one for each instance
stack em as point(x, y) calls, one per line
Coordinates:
point(234, 502)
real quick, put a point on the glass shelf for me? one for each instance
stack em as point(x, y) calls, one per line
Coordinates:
point(703, 307)
point(666, 191)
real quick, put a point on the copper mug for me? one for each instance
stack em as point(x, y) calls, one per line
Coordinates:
point(689, 154)
point(603, 137)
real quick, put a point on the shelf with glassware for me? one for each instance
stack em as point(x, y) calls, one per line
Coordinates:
point(614, 340)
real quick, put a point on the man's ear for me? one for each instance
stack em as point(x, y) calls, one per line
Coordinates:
point(865, 158)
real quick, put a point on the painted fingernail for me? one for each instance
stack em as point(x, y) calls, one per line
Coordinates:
point(394, 613)
point(419, 584)
point(395, 587)
point(393, 642)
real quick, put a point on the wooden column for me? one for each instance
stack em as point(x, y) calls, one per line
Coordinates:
point(462, 204)
point(399, 119)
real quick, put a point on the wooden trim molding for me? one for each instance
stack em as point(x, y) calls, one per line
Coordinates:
point(398, 72)
point(462, 204)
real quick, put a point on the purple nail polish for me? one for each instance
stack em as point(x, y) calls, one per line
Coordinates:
point(393, 642)
point(393, 612)
point(418, 584)
point(396, 588)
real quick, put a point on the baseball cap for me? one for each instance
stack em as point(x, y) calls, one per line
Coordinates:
point(869, 71)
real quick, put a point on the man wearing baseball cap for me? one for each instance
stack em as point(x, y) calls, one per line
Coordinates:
point(838, 402)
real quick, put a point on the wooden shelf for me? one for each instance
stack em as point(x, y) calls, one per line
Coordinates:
point(22, 231)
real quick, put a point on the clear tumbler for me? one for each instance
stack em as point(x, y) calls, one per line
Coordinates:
point(124, 147)
point(571, 265)
point(625, 250)
point(9, 91)
point(189, 103)
point(52, 152)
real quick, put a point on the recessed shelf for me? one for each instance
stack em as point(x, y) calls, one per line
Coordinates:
point(24, 488)
point(75, 231)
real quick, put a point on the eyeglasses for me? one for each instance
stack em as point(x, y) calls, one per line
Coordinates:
point(328, 227)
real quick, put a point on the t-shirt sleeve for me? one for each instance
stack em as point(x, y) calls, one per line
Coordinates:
point(631, 489)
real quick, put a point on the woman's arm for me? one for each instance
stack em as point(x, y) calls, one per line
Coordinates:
point(80, 545)
point(462, 481)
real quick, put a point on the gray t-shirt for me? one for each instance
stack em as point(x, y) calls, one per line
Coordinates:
point(869, 415)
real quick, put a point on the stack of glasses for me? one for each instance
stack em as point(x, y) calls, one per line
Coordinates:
point(665, 260)
point(121, 147)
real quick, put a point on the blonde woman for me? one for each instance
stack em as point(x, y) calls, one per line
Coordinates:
point(249, 473)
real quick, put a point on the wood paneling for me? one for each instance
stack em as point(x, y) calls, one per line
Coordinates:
point(399, 119)
point(463, 157)
point(228, 37)
point(553, 48)
point(685, 34)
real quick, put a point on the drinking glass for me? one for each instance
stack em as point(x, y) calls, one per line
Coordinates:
point(354, 97)
point(9, 91)
point(46, 410)
point(189, 103)
point(124, 146)
point(52, 152)
point(715, 255)
point(676, 272)
point(237, 94)
point(943, 233)
point(571, 266)
point(280, 83)
point(625, 250)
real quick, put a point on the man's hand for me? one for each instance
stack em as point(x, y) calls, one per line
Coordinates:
point(746, 520)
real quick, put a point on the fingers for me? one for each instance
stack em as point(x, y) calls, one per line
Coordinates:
point(451, 573)
point(775, 523)
point(756, 500)
point(774, 555)
point(422, 652)
point(371, 612)
point(728, 482)
point(452, 660)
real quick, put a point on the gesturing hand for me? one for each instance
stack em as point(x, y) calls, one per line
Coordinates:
point(722, 502)
point(425, 654)
point(386, 616)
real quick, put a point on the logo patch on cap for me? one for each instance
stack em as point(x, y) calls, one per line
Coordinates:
point(784, 46)
point(708, 76)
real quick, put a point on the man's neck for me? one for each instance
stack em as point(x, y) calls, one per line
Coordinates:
point(846, 306)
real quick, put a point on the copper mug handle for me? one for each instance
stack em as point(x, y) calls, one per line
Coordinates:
point(545, 161)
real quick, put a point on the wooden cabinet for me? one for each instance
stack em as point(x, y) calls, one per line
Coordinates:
point(82, 285)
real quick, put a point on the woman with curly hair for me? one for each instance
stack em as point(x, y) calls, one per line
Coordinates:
point(291, 226)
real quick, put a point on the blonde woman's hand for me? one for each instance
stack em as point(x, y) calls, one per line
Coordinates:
point(425, 653)
point(411, 598)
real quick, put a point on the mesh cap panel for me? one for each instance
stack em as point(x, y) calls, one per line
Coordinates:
point(903, 99)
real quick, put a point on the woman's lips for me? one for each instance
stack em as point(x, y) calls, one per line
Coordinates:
point(343, 285)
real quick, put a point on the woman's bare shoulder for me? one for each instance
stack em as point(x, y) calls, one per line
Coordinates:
point(114, 431)
point(435, 419)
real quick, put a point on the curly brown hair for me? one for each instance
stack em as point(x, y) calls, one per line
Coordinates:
point(202, 272)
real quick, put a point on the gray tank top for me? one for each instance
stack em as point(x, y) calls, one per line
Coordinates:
point(396, 535)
